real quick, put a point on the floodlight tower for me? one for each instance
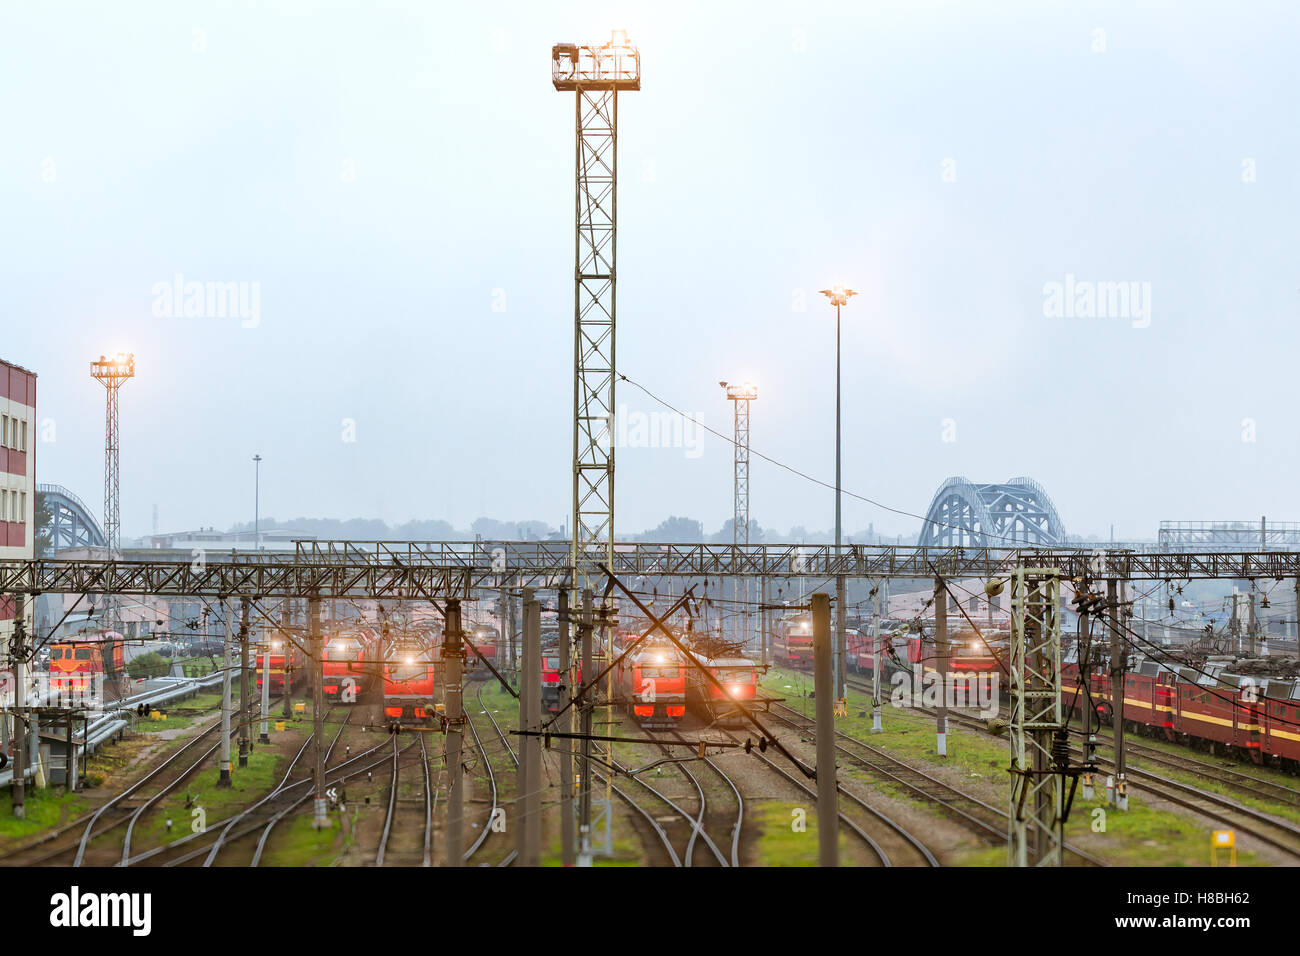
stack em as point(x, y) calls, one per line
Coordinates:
point(596, 74)
point(112, 372)
point(741, 395)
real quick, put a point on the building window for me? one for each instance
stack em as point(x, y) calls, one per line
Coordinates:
point(4, 505)
point(22, 506)
point(23, 446)
point(4, 430)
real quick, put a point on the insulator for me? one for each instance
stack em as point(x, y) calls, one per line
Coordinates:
point(1060, 748)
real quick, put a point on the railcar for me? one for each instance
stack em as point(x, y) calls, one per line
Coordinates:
point(408, 677)
point(653, 682)
point(286, 664)
point(76, 664)
point(792, 641)
point(737, 685)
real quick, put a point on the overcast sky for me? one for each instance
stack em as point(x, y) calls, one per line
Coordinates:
point(396, 186)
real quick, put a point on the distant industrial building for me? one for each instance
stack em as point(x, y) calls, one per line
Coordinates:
point(17, 481)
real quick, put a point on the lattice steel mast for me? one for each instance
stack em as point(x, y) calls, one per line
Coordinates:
point(1040, 753)
point(596, 74)
point(740, 396)
point(112, 373)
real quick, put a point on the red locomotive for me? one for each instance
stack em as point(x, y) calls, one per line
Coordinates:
point(738, 677)
point(347, 669)
point(410, 668)
point(653, 681)
point(282, 670)
point(792, 641)
point(76, 664)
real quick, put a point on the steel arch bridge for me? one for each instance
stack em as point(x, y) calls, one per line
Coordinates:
point(73, 525)
point(964, 514)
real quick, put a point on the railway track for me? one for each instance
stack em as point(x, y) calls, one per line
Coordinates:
point(487, 762)
point(906, 846)
point(1279, 834)
point(733, 858)
point(983, 819)
point(394, 805)
point(112, 814)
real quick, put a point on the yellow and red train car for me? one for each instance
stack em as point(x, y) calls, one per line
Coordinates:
point(286, 663)
point(76, 663)
point(1211, 709)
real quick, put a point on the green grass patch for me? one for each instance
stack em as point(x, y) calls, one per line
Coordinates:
point(44, 809)
point(788, 834)
point(1141, 836)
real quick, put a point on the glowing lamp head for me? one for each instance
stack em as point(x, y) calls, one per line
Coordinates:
point(839, 294)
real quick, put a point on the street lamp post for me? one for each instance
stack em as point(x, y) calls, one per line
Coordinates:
point(839, 296)
point(257, 488)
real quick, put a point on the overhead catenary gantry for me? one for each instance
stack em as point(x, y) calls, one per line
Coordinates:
point(410, 570)
point(595, 74)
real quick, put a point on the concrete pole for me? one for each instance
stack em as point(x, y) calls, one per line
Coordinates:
point(763, 613)
point(1252, 625)
point(244, 709)
point(1118, 678)
point(585, 712)
point(876, 726)
point(70, 762)
point(566, 750)
point(286, 620)
point(18, 789)
point(453, 660)
point(1297, 624)
point(265, 736)
point(223, 778)
point(320, 804)
point(841, 689)
point(941, 665)
point(530, 818)
point(828, 830)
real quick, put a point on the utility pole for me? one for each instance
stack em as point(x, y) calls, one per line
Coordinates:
point(265, 736)
point(740, 397)
point(828, 830)
point(1252, 625)
point(453, 662)
point(19, 653)
point(223, 778)
point(320, 815)
point(839, 297)
point(286, 621)
point(1039, 751)
point(112, 373)
point(1086, 709)
point(764, 619)
point(587, 675)
point(876, 726)
point(566, 753)
point(1118, 679)
point(529, 779)
point(941, 665)
point(245, 721)
point(257, 504)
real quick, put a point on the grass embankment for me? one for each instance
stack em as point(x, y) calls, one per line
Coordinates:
point(1141, 836)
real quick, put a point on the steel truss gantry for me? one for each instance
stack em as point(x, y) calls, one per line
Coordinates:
point(439, 569)
point(1039, 747)
point(595, 74)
